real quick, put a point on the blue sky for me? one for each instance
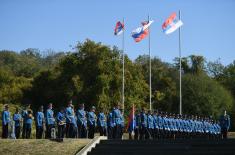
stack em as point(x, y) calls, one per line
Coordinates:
point(56, 24)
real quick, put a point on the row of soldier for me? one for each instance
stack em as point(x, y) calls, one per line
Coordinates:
point(82, 124)
point(159, 125)
point(69, 123)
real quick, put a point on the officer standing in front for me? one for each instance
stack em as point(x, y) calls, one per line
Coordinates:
point(5, 121)
point(224, 123)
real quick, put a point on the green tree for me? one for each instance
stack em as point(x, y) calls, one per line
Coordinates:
point(203, 96)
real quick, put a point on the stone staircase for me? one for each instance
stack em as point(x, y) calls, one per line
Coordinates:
point(165, 147)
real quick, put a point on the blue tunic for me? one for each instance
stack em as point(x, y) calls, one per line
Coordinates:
point(91, 119)
point(143, 119)
point(60, 117)
point(50, 120)
point(150, 122)
point(110, 120)
point(5, 117)
point(116, 117)
point(81, 117)
point(101, 120)
point(17, 118)
point(224, 122)
point(39, 119)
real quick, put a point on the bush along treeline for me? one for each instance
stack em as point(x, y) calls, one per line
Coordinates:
point(92, 74)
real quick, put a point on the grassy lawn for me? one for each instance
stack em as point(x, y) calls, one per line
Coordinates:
point(231, 134)
point(41, 147)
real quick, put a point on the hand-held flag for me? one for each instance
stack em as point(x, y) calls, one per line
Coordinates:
point(171, 24)
point(141, 32)
point(118, 28)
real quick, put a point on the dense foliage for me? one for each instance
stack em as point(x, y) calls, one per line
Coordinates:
point(92, 74)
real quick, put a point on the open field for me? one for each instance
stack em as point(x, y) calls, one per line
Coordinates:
point(41, 147)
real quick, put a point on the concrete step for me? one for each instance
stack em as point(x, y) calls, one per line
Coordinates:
point(181, 147)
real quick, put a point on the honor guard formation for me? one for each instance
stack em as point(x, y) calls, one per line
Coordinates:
point(71, 123)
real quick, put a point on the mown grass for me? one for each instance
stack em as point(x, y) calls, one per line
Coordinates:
point(41, 147)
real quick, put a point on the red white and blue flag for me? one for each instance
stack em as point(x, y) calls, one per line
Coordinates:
point(131, 120)
point(141, 32)
point(119, 28)
point(171, 24)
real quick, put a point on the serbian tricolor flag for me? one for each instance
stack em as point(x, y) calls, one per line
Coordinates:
point(171, 24)
point(131, 120)
point(141, 32)
point(118, 28)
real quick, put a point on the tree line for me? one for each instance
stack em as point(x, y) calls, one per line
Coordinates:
point(92, 74)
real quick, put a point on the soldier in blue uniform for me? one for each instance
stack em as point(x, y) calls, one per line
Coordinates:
point(101, 123)
point(5, 121)
point(160, 125)
point(24, 116)
point(81, 122)
point(110, 125)
point(28, 122)
point(61, 122)
point(165, 125)
point(116, 115)
point(150, 125)
point(39, 123)
point(50, 121)
point(137, 125)
point(70, 121)
point(17, 119)
point(91, 122)
point(143, 125)
point(156, 125)
point(224, 124)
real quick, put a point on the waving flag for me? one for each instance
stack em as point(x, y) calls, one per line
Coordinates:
point(131, 120)
point(171, 24)
point(141, 32)
point(118, 28)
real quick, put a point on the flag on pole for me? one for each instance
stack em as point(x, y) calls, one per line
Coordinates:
point(171, 24)
point(118, 28)
point(141, 32)
point(131, 121)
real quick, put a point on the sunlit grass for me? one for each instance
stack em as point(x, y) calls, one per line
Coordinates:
point(41, 147)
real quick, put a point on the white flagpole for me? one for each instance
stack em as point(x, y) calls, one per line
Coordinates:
point(150, 73)
point(123, 70)
point(180, 70)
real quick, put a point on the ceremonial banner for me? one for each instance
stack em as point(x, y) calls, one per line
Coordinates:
point(118, 28)
point(141, 32)
point(171, 24)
